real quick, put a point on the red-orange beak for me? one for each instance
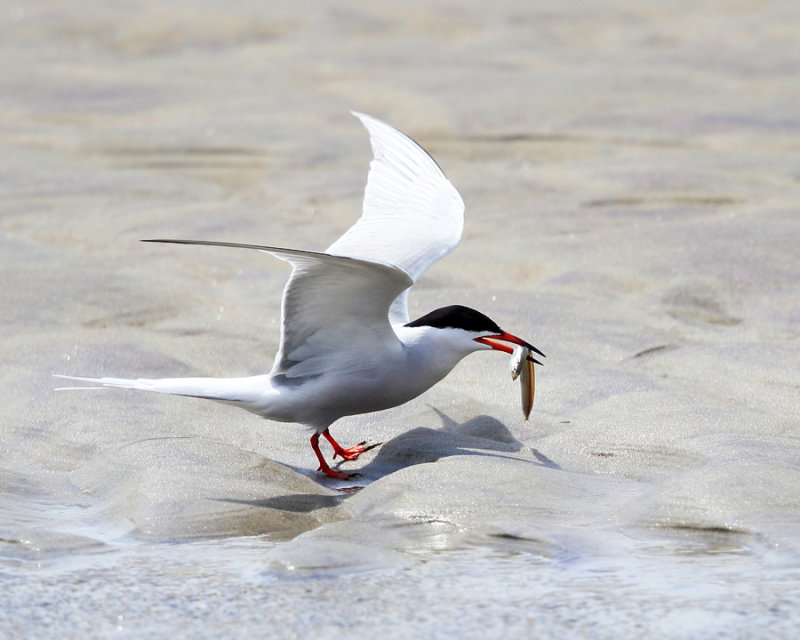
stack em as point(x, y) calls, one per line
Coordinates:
point(498, 341)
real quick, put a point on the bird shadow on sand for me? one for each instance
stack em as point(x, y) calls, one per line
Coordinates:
point(480, 436)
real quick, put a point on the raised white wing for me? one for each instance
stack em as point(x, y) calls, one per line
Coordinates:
point(337, 305)
point(334, 313)
point(412, 215)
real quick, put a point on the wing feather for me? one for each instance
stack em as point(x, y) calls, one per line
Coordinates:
point(337, 306)
point(335, 310)
point(412, 216)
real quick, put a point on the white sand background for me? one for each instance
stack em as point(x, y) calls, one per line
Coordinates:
point(632, 179)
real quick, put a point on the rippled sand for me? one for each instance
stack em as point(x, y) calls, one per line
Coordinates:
point(631, 179)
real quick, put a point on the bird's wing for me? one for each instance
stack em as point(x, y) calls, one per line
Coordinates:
point(412, 215)
point(334, 313)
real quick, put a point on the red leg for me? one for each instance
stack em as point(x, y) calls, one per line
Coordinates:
point(323, 466)
point(348, 454)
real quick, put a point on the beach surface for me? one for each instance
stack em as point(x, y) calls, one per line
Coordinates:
point(632, 187)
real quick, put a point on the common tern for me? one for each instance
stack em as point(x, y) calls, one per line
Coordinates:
point(347, 344)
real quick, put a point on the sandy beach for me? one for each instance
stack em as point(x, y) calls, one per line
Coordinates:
point(630, 174)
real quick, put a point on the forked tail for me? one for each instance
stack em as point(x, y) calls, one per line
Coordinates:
point(237, 390)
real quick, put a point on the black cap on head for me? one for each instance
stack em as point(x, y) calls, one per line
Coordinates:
point(457, 317)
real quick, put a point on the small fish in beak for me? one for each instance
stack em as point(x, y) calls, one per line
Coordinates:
point(522, 363)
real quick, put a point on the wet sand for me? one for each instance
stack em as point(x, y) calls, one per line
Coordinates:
point(631, 183)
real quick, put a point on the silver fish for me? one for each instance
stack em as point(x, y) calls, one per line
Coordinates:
point(517, 359)
point(528, 384)
point(522, 363)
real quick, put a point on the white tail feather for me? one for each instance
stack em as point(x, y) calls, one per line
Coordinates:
point(222, 389)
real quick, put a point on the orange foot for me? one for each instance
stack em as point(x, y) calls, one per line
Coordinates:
point(348, 454)
point(338, 450)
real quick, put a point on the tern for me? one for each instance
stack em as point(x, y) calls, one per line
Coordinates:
point(347, 345)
